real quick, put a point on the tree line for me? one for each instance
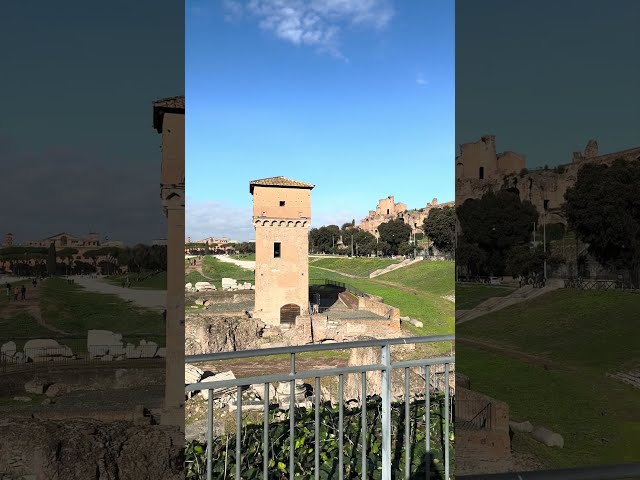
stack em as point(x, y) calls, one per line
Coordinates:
point(394, 236)
point(602, 209)
point(31, 261)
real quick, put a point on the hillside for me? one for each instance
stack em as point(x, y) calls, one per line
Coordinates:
point(359, 266)
point(549, 359)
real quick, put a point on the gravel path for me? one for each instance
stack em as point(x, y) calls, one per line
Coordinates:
point(248, 264)
point(152, 299)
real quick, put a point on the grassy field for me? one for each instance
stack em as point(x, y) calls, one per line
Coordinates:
point(433, 277)
point(217, 270)
point(360, 267)
point(156, 281)
point(584, 335)
point(194, 277)
point(424, 304)
point(470, 295)
point(75, 310)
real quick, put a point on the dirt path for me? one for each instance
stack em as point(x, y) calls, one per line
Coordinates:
point(247, 264)
point(30, 306)
point(152, 299)
point(198, 268)
point(513, 353)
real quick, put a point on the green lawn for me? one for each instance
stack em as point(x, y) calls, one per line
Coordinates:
point(469, 295)
point(75, 310)
point(436, 313)
point(20, 327)
point(360, 267)
point(589, 334)
point(194, 277)
point(217, 270)
point(157, 281)
point(434, 277)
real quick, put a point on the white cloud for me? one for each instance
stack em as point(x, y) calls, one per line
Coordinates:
point(213, 219)
point(314, 23)
point(420, 80)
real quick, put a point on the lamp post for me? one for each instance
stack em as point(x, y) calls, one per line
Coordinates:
point(544, 238)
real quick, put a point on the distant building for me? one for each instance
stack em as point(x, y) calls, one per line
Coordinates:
point(8, 240)
point(387, 210)
point(159, 242)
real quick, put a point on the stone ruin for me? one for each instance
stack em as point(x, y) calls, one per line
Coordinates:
point(199, 287)
point(36, 350)
point(102, 345)
point(229, 285)
point(107, 346)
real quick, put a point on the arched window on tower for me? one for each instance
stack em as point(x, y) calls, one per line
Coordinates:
point(481, 173)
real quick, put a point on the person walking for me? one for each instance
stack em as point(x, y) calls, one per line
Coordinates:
point(8, 289)
point(23, 292)
point(16, 292)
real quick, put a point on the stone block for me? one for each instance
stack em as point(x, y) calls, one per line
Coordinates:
point(56, 390)
point(216, 378)
point(547, 437)
point(8, 349)
point(40, 349)
point(523, 427)
point(148, 349)
point(35, 386)
point(100, 341)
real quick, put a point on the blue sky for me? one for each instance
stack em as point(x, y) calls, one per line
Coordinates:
point(77, 144)
point(547, 76)
point(354, 96)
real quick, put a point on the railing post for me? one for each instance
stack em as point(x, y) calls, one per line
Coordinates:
point(386, 412)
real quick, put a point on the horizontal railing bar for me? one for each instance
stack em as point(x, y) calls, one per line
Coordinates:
point(283, 377)
point(263, 352)
point(424, 362)
point(603, 472)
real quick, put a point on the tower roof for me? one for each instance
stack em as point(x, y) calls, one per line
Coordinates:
point(166, 105)
point(280, 181)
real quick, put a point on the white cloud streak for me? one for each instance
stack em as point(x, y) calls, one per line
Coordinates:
point(313, 23)
point(420, 80)
point(217, 219)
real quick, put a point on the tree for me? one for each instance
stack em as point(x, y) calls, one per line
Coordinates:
point(406, 248)
point(603, 207)
point(394, 233)
point(323, 239)
point(51, 260)
point(496, 223)
point(364, 242)
point(440, 227)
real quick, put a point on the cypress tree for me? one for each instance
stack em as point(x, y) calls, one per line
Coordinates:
point(51, 260)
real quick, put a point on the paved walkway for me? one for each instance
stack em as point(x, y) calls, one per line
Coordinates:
point(248, 264)
point(152, 299)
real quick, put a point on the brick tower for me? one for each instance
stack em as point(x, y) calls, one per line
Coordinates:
point(281, 217)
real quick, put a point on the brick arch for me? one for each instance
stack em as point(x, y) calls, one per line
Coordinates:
point(288, 314)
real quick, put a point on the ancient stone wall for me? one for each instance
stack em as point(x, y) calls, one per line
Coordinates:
point(47, 449)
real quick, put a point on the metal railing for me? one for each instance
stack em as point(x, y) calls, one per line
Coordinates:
point(333, 283)
point(386, 367)
point(605, 472)
point(480, 421)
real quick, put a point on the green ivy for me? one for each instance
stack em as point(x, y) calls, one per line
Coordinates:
point(224, 447)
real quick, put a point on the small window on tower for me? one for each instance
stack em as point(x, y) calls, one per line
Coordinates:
point(276, 250)
point(282, 203)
